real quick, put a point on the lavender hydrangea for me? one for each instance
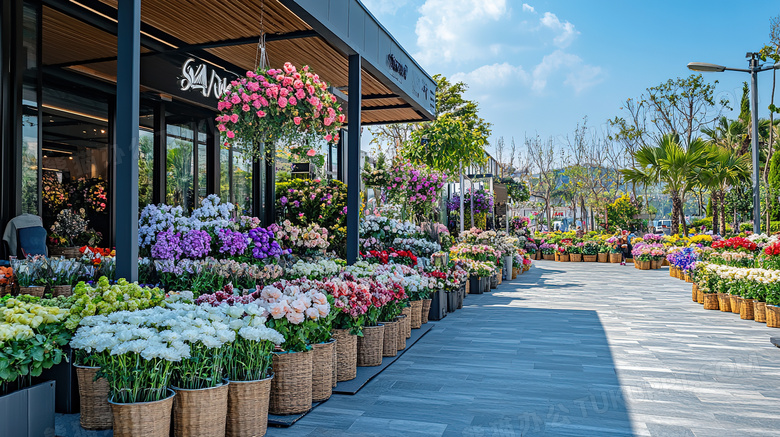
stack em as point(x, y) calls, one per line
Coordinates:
point(232, 242)
point(265, 244)
point(167, 245)
point(196, 244)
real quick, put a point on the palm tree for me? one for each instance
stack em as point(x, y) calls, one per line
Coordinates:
point(725, 167)
point(642, 177)
point(675, 166)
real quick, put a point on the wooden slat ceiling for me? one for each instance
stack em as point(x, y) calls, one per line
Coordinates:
point(66, 39)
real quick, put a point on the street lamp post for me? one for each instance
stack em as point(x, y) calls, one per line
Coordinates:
point(753, 68)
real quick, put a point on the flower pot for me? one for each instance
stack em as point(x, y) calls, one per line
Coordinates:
point(462, 294)
point(475, 284)
point(736, 301)
point(426, 308)
point(590, 258)
point(485, 284)
point(508, 266)
point(335, 365)
point(346, 354)
point(407, 311)
point(603, 257)
point(143, 419)
point(688, 278)
point(547, 257)
point(575, 257)
point(35, 290)
point(759, 311)
point(291, 386)
point(499, 278)
point(615, 258)
point(564, 258)
point(557, 256)
point(514, 273)
point(247, 413)
point(711, 301)
point(493, 281)
point(772, 316)
point(400, 341)
point(200, 412)
point(61, 290)
point(28, 412)
point(724, 302)
point(664, 262)
point(390, 341)
point(657, 264)
point(468, 285)
point(370, 345)
point(438, 307)
point(694, 292)
point(416, 318)
point(746, 309)
point(699, 296)
point(93, 399)
point(322, 371)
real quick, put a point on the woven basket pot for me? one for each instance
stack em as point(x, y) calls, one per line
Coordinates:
point(615, 258)
point(407, 311)
point(711, 301)
point(35, 290)
point(694, 292)
point(143, 419)
point(247, 413)
point(657, 264)
point(200, 412)
point(400, 341)
point(772, 316)
point(699, 295)
point(724, 302)
point(514, 272)
point(603, 257)
point(416, 316)
point(590, 258)
point(736, 301)
point(426, 309)
point(547, 257)
point(322, 371)
point(664, 262)
point(575, 257)
point(564, 258)
point(61, 290)
point(746, 309)
point(291, 386)
point(370, 346)
point(346, 354)
point(390, 341)
point(688, 278)
point(335, 365)
point(93, 399)
point(759, 311)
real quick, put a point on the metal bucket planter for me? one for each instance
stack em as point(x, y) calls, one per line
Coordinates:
point(452, 300)
point(200, 412)
point(143, 419)
point(247, 412)
point(475, 285)
point(485, 283)
point(438, 309)
point(462, 294)
point(493, 281)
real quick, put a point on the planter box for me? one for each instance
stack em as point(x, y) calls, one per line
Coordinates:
point(476, 285)
point(485, 284)
point(452, 300)
point(438, 305)
point(67, 388)
point(461, 294)
point(28, 412)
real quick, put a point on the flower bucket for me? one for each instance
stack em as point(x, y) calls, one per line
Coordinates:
point(590, 258)
point(475, 285)
point(615, 258)
point(390, 341)
point(575, 257)
point(462, 294)
point(508, 261)
point(759, 311)
point(346, 354)
point(452, 300)
point(514, 273)
point(200, 412)
point(370, 346)
point(407, 311)
point(711, 301)
point(485, 284)
point(550, 257)
point(143, 419)
point(493, 281)
point(736, 301)
point(291, 386)
point(603, 257)
point(61, 290)
point(322, 371)
point(400, 341)
point(416, 318)
point(426, 308)
point(247, 412)
point(93, 399)
point(35, 290)
point(746, 309)
point(724, 302)
point(772, 316)
point(694, 292)
point(564, 258)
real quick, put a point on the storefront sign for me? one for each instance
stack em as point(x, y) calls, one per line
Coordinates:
point(396, 66)
point(196, 77)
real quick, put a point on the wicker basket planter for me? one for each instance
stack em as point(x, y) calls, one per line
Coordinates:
point(688, 278)
point(736, 301)
point(772, 316)
point(711, 301)
point(590, 258)
point(603, 257)
point(746, 309)
point(400, 341)
point(724, 302)
point(759, 311)
point(642, 265)
point(699, 295)
point(247, 412)
point(371, 345)
point(35, 290)
point(291, 386)
point(547, 257)
point(143, 419)
point(200, 412)
point(346, 354)
point(416, 318)
point(390, 341)
point(335, 366)
point(407, 311)
point(514, 273)
point(615, 258)
point(664, 262)
point(62, 290)
point(694, 292)
point(564, 258)
point(656, 264)
point(93, 399)
point(426, 308)
point(322, 371)
point(575, 257)
point(67, 252)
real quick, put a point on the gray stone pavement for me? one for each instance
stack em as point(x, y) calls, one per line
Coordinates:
point(572, 349)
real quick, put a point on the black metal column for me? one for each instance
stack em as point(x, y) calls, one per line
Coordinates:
point(160, 154)
point(13, 63)
point(127, 110)
point(212, 158)
point(353, 157)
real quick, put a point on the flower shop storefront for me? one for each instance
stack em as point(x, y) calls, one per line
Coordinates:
point(101, 122)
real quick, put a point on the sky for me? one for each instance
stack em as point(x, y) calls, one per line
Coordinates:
point(539, 67)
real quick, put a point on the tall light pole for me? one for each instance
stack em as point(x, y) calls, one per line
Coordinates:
point(753, 68)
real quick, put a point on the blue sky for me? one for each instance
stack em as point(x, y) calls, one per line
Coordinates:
point(540, 66)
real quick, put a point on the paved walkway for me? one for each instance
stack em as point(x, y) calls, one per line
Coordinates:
point(572, 350)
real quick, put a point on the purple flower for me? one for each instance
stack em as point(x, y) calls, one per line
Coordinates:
point(283, 200)
point(232, 242)
point(196, 244)
point(167, 246)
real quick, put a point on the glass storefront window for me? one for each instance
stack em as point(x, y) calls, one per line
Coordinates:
point(179, 166)
point(202, 138)
point(30, 194)
point(242, 182)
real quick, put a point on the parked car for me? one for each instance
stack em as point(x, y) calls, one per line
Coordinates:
point(665, 226)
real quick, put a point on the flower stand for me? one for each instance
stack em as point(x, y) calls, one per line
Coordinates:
point(200, 412)
point(291, 386)
point(93, 399)
point(322, 371)
point(247, 412)
point(346, 353)
point(143, 419)
point(370, 345)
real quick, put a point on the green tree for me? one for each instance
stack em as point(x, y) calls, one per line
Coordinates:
point(621, 213)
point(724, 168)
point(774, 187)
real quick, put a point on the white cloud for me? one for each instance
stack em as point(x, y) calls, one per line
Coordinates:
point(527, 8)
point(495, 75)
point(566, 33)
point(384, 7)
point(580, 76)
